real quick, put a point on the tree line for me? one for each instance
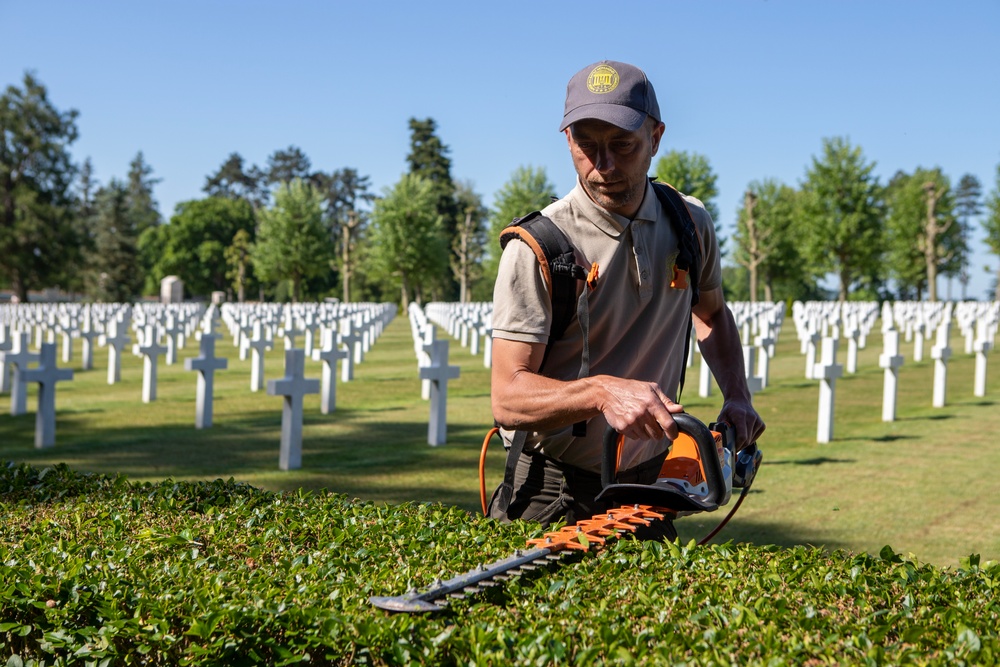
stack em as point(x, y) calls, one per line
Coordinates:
point(285, 231)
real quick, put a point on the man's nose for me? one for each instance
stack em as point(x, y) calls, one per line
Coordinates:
point(604, 161)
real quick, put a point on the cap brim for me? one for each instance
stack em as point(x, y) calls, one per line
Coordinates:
point(624, 117)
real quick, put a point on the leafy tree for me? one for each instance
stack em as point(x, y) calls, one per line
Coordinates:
point(86, 190)
point(991, 225)
point(113, 259)
point(284, 166)
point(408, 247)
point(193, 245)
point(923, 235)
point(234, 181)
point(238, 263)
point(968, 205)
point(691, 174)
point(142, 208)
point(429, 159)
point(39, 237)
point(291, 242)
point(469, 245)
point(842, 215)
point(766, 242)
point(345, 192)
point(527, 190)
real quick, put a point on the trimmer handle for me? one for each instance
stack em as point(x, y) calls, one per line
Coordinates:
point(706, 450)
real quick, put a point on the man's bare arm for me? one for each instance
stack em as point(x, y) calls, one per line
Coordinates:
point(719, 341)
point(524, 399)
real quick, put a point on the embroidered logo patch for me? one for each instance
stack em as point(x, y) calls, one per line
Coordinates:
point(603, 79)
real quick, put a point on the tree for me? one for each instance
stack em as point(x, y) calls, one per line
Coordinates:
point(968, 205)
point(142, 208)
point(193, 245)
point(291, 242)
point(468, 246)
point(112, 272)
point(408, 247)
point(923, 237)
point(345, 192)
point(691, 174)
point(842, 214)
point(284, 166)
point(233, 181)
point(766, 239)
point(429, 159)
point(39, 237)
point(238, 263)
point(528, 189)
point(991, 225)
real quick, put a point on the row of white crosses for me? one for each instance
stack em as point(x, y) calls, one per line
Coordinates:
point(432, 362)
point(918, 321)
point(469, 323)
point(110, 324)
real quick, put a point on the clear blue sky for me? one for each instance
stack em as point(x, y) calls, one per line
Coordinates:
point(753, 85)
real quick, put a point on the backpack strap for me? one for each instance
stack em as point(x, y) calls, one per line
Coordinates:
point(687, 267)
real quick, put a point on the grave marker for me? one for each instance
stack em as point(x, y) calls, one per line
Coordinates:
point(890, 360)
point(294, 386)
point(150, 350)
point(206, 364)
point(46, 375)
point(438, 372)
point(329, 353)
point(16, 361)
point(826, 371)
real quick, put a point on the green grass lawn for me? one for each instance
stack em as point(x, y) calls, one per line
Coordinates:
point(925, 484)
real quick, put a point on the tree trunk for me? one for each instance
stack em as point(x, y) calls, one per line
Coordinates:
point(345, 254)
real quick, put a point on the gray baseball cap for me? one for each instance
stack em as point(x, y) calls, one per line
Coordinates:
point(615, 92)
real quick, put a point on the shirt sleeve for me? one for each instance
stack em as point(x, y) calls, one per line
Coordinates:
point(522, 308)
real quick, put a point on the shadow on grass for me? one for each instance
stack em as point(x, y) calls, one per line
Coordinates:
point(759, 533)
point(893, 438)
point(817, 461)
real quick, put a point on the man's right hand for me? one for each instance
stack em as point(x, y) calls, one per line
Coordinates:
point(638, 410)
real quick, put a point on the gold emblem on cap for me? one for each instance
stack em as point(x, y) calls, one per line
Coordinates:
point(603, 79)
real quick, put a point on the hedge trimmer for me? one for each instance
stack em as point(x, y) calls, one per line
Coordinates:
point(698, 475)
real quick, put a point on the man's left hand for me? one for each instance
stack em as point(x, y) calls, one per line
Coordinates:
point(744, 419)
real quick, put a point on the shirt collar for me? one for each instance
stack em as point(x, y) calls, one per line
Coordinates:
point(613, 224)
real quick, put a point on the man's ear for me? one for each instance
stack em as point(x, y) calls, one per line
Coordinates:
point(656, 135)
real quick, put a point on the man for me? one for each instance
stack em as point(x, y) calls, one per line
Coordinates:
point(638, 321)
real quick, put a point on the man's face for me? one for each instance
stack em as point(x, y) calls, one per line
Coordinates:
point(612, 163)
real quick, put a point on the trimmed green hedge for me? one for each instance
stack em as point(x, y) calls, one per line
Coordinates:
point(98, 570)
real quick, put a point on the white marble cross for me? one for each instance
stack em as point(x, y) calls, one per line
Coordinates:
point(294, 386)
point(150, 350)
point(754, 383)
point(6, 345)
point(765, 344)
point(88, 334)
point(258, 343)
point(46, 375)
point(941, 353)
point(982, 345)
point(438, 372)
point(809, 341)
point(16, 361)
point(174, 332)
point(890, 360)
point(826, 371)
point(704, 376)
point(206, 364)
point(116, 339)
point(328, 353)
point(352, 340)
